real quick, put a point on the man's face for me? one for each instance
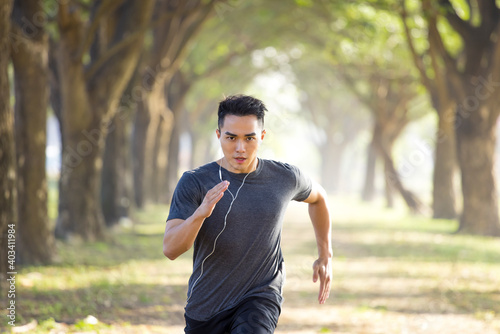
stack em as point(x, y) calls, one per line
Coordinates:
point(240, 138)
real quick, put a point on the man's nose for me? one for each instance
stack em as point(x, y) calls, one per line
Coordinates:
point(240, 146)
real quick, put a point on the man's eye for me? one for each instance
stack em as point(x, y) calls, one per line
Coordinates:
point(230, 138)
point(250, 138)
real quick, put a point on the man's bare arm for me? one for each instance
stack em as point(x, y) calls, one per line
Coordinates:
point(180, 234)
point(320, 218)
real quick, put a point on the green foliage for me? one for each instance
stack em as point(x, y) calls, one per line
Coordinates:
point(304, 3)
point(47, 325)
point(462, 9)
point(451, 39)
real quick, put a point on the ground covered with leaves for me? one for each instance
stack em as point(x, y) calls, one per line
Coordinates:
point(393, 273)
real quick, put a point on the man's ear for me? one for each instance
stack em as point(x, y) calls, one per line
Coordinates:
point(217, 132)
point(263, 134)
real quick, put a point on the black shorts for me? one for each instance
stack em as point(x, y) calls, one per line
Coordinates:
point(253, 315)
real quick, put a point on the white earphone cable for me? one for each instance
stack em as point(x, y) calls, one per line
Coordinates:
point(223, 228)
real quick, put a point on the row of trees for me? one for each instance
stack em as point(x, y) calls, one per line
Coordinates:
point(387, 53)
point(92, 64)
point(127, 78)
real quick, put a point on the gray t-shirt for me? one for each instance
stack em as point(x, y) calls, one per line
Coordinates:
point(247, 261)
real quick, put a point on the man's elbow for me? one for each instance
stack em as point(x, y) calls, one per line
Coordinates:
point(169, 253)
point(173, 253)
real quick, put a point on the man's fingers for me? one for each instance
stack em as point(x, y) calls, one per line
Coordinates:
point(315, 273)
point(218, 190)
point(325, 293)
point(321, 271)
point(221, 187)
point(322, 282)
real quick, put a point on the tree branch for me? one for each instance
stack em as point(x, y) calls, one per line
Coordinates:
point(187, 22)
point(189, 27)
point(106, 7)
point(94, 67)
point(463, 28)
point(489, 14)
point(437, 48)
point(115, 49)
point(417, 59)
point(495, 75)
point(63, 14)
point(495, 58)
point(192, 29)
point(352, 87)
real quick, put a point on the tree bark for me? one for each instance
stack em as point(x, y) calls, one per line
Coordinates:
point(167, 53)
point(89, 97)
point(176, 91)
point(368, 192)
point(388, 169)
point(117, 184)
point(472, 80)
point(476, 156)
point(79, 205)
point(443, 192)
point(160, 161)
point(393, 180)
point(8, 197)
point(156, 145)
point(30, 60)
point(115, 172)
point(173, 158)
point(139, 135)
point(384, 136)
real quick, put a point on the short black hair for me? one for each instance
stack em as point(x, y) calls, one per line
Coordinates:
point(241, 105)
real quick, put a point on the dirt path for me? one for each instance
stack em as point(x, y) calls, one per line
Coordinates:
point(391, 275)
point(373, 294)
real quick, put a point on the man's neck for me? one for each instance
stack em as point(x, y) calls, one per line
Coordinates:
point(223, 163)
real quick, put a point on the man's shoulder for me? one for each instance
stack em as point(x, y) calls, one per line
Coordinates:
point(279, 165)
point(200, 170)
point(198, 174)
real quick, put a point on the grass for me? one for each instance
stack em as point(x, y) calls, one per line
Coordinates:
point(393, 273)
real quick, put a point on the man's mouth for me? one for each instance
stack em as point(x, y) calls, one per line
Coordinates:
point(240, 160)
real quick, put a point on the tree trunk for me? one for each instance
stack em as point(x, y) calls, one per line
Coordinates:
point(389, 189)
point(114, 195)
point(117, 184)
point(8, 197)
point(476, 156)
point(157, 139)
point(111, 174)
point(152, 134)
point(152, 178)
point(30, 59)
point(173, 158)
point(177, 94)
point(80, 211)
point(159, 158)
point(369, 186)
point(139, 135)
point(89, 99)
point(79, 205)
point(443, 193)
point(394, 180)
